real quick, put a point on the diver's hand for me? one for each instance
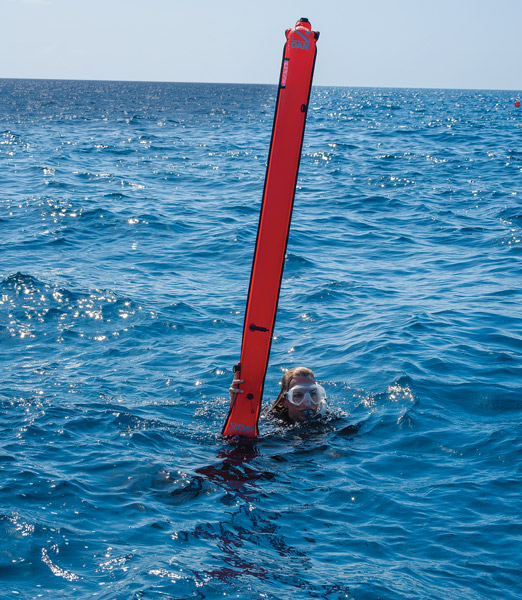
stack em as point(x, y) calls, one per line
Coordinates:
point(234, 389)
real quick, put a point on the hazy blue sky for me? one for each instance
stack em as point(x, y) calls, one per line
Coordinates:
point(403, 43)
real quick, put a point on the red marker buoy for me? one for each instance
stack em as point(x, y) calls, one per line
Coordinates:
point(295, 82)
point(517, 103)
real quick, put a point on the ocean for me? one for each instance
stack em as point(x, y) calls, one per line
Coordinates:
point(128, 217)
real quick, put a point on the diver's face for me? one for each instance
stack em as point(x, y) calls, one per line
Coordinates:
point(303, 412)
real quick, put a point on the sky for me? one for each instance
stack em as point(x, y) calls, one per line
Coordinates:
point(474, 44)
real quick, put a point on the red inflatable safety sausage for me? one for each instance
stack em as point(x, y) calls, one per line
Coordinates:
point(295, 83)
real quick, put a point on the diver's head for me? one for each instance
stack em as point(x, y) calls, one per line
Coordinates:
point(300, 395)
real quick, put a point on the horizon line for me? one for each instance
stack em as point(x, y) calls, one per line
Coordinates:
point(389, 87)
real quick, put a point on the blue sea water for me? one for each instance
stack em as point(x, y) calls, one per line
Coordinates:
point(128, 216)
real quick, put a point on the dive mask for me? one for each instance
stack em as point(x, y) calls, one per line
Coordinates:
point(306, 395)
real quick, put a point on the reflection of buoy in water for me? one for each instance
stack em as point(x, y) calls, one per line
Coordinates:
point(517, 103)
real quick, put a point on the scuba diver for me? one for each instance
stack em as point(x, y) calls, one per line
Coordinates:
point(301, 398)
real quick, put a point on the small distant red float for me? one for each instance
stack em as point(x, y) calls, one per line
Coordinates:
point(517, 103)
